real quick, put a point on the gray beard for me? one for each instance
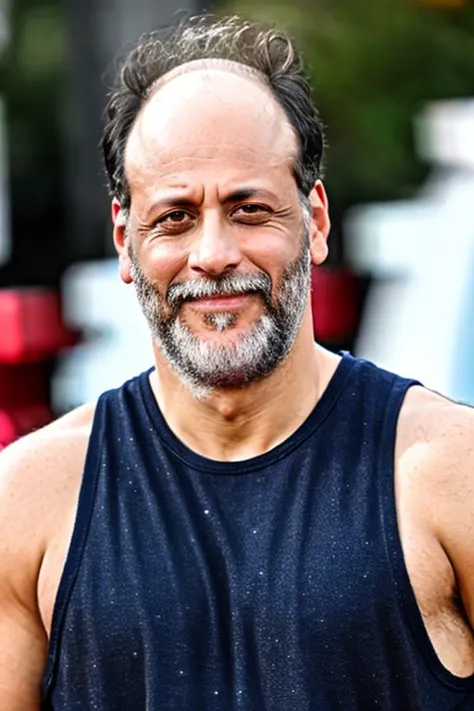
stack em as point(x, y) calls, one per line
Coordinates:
point(203, 366)
point(221, 321)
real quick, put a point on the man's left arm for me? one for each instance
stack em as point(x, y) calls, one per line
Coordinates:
point(453, 482)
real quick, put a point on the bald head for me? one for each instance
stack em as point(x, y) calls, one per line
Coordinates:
point(263, 56)
point(208, 115)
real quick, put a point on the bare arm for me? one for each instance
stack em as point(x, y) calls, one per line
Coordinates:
point(440, 466)
point(23, 641)
point(22, 655)
point(455, 518)
point(39, 484)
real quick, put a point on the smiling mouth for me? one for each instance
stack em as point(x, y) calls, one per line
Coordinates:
point(220, 302)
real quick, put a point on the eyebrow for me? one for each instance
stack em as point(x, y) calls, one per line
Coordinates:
point(238, 195)
point(245, 193)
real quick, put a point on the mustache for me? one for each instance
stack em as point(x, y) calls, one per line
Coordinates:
point(230, 285)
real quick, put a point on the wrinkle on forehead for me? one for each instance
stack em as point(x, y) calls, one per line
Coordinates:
point(209, 115)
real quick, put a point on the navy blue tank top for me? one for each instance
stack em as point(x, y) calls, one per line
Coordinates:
point(273, 584)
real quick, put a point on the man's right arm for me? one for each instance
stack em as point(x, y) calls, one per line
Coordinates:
point(40, 479)
point(23, 640)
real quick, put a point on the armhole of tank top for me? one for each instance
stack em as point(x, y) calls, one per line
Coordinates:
point(403, 590)
point(76, 547)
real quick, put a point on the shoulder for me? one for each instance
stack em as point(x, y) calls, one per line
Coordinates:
point(435, 463)
point(433, 428)
point(40, 455)
point(39, 479)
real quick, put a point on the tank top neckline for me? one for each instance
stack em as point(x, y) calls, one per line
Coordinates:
point(319, 413)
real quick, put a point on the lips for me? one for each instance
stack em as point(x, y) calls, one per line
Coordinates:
point(220, 303)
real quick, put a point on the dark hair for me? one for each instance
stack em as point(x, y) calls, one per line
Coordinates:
point(263, 49)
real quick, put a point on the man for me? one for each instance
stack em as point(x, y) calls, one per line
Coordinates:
point(256, 523)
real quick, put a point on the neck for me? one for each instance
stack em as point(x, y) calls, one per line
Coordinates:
point(232, 425)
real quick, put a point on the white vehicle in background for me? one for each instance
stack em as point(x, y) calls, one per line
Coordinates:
point(419, 315)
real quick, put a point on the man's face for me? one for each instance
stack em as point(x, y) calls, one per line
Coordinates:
point(231, 362)
point(218, 244)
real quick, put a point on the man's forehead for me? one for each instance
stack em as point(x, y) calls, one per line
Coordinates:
point(205, 112)
point(210, 63)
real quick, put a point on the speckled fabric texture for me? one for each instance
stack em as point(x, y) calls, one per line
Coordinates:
point(273, 584)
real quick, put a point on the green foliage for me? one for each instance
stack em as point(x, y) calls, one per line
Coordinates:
point(32, 73)
point(373, 65)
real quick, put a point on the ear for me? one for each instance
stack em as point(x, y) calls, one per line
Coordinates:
point(121, 241)
point(320, 223)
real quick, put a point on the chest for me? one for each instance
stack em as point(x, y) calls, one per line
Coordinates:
point(298, 556)
point(241, 548)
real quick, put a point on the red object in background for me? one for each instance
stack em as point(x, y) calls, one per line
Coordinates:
point(335, 303)
point(17, 422)
point(31, 334)
point(23, 400)
point(31, 327)
point(7, 429)
point(22, 384)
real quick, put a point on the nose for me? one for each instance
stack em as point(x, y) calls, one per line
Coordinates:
point(215, 250)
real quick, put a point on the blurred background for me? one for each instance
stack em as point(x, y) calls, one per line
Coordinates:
point(394, 83)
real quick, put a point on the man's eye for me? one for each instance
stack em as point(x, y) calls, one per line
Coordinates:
point(176, 216)
point(173, 222)
point(252, 209)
